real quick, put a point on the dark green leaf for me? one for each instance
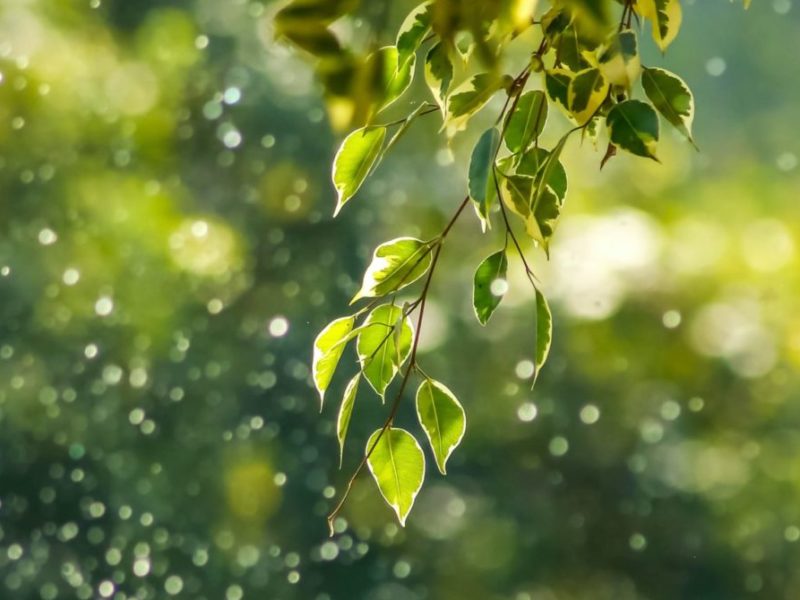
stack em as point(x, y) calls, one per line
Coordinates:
point(527, 121)
point(633, 126)
point(671, 97)
point(481, 183)
point(489, 285)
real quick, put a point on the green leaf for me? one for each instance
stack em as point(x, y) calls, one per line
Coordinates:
point(527, 121)
point(381, 351)
point(671, 97)
point(328, 349)
point(544, 332)
point(470, 97)
point(620, 62)
point(633, 126)
point(546, 212)
point(587, 91)
point(395, 77)
point(413, 30)
point(556, 82)
point(439, 73)
point(395, 264)
point(486, 294)
point(397, 464)
point(442, 418)
point(666, 16)
point(354, 161)
point(345, 412)
point(533, 161)
point(481, 183)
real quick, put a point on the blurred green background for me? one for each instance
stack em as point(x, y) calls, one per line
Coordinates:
point(168, 255)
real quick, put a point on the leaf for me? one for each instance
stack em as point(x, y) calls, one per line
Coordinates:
point(439, 73)
point(345, 412)
point(633, 126)
point(533, 161)
point(666, 16)
point(544, 332)
point(586, 92)
point(556, 82)
point(527, 121)
point(394, 77)
point(481, 183)
point(442, 418)
point(354, 161)
point(395, 264)
point(328, 349)
point(413, 30)
point(671, 97)
point(470, 97)
point(485, 299)
point(620, 62)
point(381, 352)
point(546, 212)
point(397, 464)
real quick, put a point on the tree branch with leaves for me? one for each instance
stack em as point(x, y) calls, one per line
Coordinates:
point(584, 62)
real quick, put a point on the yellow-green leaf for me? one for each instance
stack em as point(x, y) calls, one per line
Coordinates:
point(397, 464)
point(345, 412)
point(586, 92)
point(354, 161)
point(470, 97)
point(666, 17)
point(328, 348)
point(383, 345)
point(544, 332)
point(395, 264)
point(413, 30)
point(442, 418)
point(439, 74)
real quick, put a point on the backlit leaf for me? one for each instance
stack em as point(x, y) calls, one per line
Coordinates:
point(381, 349)
point(345, 412)
point(470, 97)
point(439, 73)
point(666, 16)
point(413, 30)
point(395, 264)
point(328, 348)
point(544, 332)
point(442, 418)
point(354, 161)
point(397, 464)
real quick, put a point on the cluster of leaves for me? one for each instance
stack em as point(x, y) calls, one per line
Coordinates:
point(587, 64)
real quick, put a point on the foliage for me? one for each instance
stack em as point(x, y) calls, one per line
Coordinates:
point(585, 55)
